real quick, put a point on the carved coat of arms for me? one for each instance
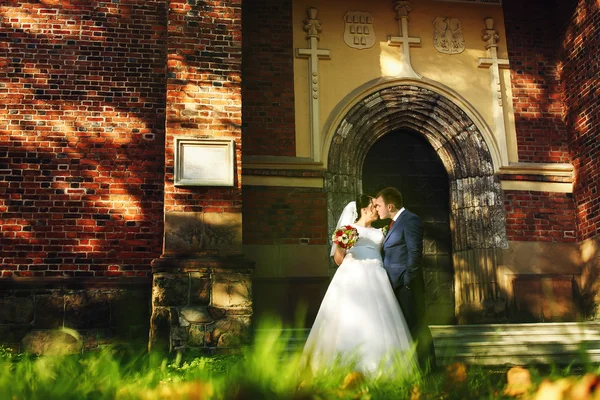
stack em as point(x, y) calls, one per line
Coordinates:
point(448, 36)
point(358, 30)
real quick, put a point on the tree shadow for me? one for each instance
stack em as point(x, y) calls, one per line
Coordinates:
point(82, 136)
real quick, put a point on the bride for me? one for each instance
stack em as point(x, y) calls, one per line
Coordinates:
point(359, 320)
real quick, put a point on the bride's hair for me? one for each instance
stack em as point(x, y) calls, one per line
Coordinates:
point(362, 201)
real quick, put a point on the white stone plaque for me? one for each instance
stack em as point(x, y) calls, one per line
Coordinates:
point(204, 162)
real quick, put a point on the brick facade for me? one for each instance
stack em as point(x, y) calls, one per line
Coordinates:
point(81, 137)
point(580, 83)
point(92, 95)
point(533, 53)
point(539, 216)
point(268, 70)
point(283, 215)
point(204, 94)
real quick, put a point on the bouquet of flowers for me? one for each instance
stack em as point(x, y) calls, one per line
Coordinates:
point(345, 237)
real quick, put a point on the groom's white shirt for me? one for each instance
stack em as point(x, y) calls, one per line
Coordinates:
point(398, 214)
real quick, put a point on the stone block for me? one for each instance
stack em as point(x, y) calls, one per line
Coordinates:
point(182, 321)
point(87, 309)
point(199, 289)
point(179, 333)
point(170, 289)
point(193, 233)
point(233, 331)
point(195, 315)
point(223, 232)
point(184, 233)
point(231, 290)
point(216, 313)
point(160, 329)
point(196, 335)
point(174, 316)
point(16, 310)
point(52, 342)
point(49, 311)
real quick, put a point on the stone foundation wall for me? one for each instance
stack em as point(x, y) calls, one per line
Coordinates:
point(99, 311)
point(201, 303)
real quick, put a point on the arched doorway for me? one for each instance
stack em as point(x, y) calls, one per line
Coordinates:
point(405, 160)
point(477, 216)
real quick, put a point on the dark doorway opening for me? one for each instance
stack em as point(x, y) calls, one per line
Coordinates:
point(406, 160)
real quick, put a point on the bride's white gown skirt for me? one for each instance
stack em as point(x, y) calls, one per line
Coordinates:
point(359, 317)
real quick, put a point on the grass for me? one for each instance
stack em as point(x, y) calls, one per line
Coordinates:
point(263, 371)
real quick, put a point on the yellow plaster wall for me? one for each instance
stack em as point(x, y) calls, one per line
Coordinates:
point(350, 68)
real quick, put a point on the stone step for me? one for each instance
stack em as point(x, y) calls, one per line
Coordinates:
point(494, 349)
point(499, 344)
point(574, 329)
point(295, 337)
point(502, 344)
point(521, 359)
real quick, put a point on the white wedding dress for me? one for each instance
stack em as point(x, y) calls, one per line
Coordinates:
point(360, 318)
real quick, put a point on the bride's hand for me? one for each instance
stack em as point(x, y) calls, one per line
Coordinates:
point(339, 255)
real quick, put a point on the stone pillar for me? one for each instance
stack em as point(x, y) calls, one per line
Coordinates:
point(477, 221)
point(201, 295)
point(201, 302)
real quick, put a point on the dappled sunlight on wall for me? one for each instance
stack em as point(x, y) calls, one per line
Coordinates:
point(268, 84)
point(390, 62)
point(203, 97)
point(580, 86)
point(81, 131)
point(533, 55)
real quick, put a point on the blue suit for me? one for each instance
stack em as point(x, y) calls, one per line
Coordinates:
point(402, 256)
point(403, 251)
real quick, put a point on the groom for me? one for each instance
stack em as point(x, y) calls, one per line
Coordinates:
point(402, 254)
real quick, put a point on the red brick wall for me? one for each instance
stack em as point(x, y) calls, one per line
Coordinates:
point(580, 81)
point(283, 215)
point(204, 56)
point(81, 137)
point(268, 85)
point(533, 44)
point(539, 216)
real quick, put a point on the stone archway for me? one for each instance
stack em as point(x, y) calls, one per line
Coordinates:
point(477, 216)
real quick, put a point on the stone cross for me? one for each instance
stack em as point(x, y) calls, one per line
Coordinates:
point(402, 9)
point(312, 26)
point(493, 63)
